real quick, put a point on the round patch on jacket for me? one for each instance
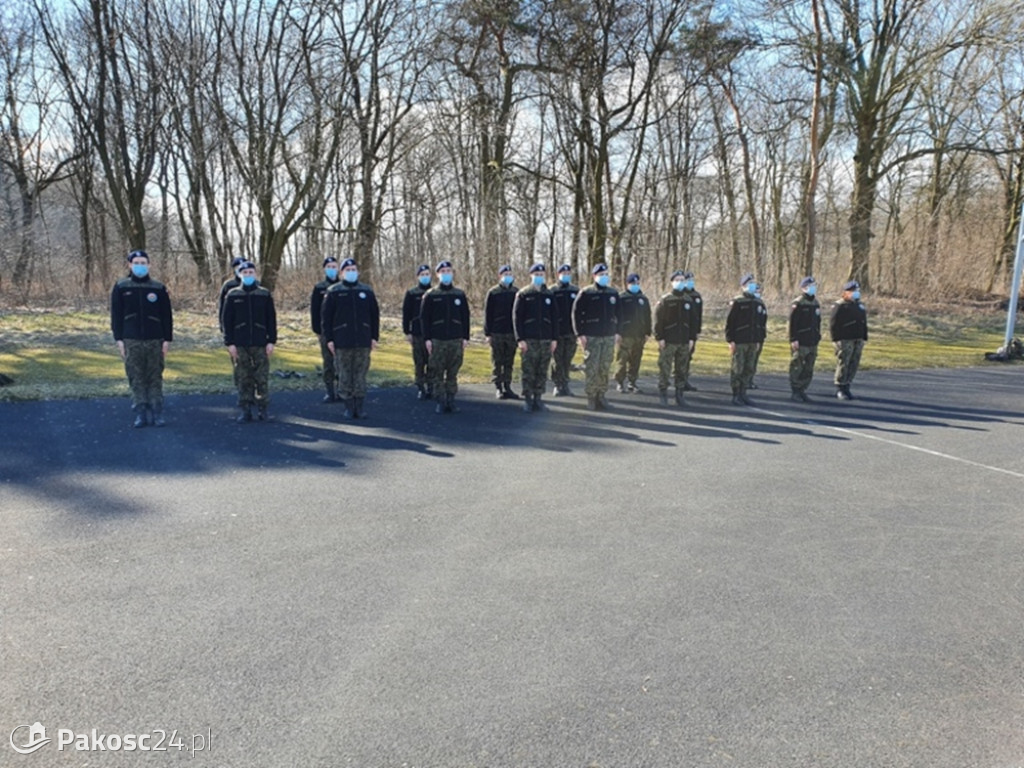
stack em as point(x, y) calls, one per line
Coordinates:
point(863, 307)
point(817, 311)
point(640, 302)
point(697, 300)
point(760, 310)
point(151, 298)
point(612, 299)
point(362, 294)
point(686, 306)
point(458, 302)
point(572, 295)
point(547, 301)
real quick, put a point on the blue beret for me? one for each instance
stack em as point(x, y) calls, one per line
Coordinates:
point(807, 281)
point(853, 285)
point(599, 268)
point(348, 263)
point(422, 268)
point(678, 273)
point(536, 268)
point(330, 259)
point(443, 265)
point(246, 265)
point(139, 254)
point(633, 277)
point(687, 275)
point(504, 270)
point(564, 268)
point(747, 278)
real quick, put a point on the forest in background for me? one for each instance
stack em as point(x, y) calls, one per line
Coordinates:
point(879, 140)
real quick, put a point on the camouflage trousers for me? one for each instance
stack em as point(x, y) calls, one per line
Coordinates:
point(847, 360)
point(673, 359)
point(561, 360)
point(801, 368)
point(352, 364)
point(252, 374)
point(445, 362)
point(144, 364)
point(503, 358)
point(744, 366)
point(534, 363)
point(631, 351)
point(597, 363)
point(420, 360)
point(684, 370)
point(330, 374)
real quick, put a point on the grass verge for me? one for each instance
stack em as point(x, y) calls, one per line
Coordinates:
point(68, 355)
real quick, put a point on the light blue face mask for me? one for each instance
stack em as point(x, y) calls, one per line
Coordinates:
point(565, 279)
point(332, 273)
point(248, 279)
point(538, 280)
point(506, 280)
point(603, 280)
point(351, 275)
point(634, 287)
point(810, 290)
point(678, 285)
point(855, 295)
point(140, 270)
point(689, 285)
point(751, 288)
point(424, 280)
point(446, 278)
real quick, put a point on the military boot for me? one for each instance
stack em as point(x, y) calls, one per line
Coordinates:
point(591, 402)
point(679, 397)
point(421, 392)
point(736, 399)
point(663, 396)
point(331, 396)
point(450, 406)
point(537, 404)
point(261, 413)
point(140, 416)
point(619, 386)
point(602, 403)
point(245, 414)
point(157, 416)
point(350, 408)
point(442, 404)
point(357, 408)
point(508, 393)
point(842, 394)
point(527, 404)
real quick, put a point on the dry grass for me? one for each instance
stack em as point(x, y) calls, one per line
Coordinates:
point(70, 354)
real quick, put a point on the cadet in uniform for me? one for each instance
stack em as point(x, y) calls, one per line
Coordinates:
point(595, 321)
point(673, 332)
point(232, 282)
point(444, 316)
point(250, 333)
point(316, 302)
point(804, 335)
point(745, 330)
point(414, 332)
point(849, 329)
point(634, 328)
point(696, 321)
point(564, 294)
point(535, 321)
point(143, 327)
point(499, 332)
point(351, 321)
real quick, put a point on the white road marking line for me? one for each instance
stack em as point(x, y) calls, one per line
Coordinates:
point(898, 444)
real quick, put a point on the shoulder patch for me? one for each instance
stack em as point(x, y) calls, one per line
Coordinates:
point(458, 302)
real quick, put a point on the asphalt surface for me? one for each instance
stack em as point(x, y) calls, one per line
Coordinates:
point(833, 584)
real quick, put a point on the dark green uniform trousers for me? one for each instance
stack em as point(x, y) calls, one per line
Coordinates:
point(801, 368)
point(352, 365)
point(744, 366)
point(534, 363)
point(252, 371)
point(597, 363)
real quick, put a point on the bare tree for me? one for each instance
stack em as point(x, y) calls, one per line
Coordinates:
point(278, 100)
point(31, 148)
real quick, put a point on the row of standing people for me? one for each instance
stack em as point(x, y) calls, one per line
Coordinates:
point(544, 324)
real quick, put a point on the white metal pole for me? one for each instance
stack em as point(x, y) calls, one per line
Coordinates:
point(1018, 267)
